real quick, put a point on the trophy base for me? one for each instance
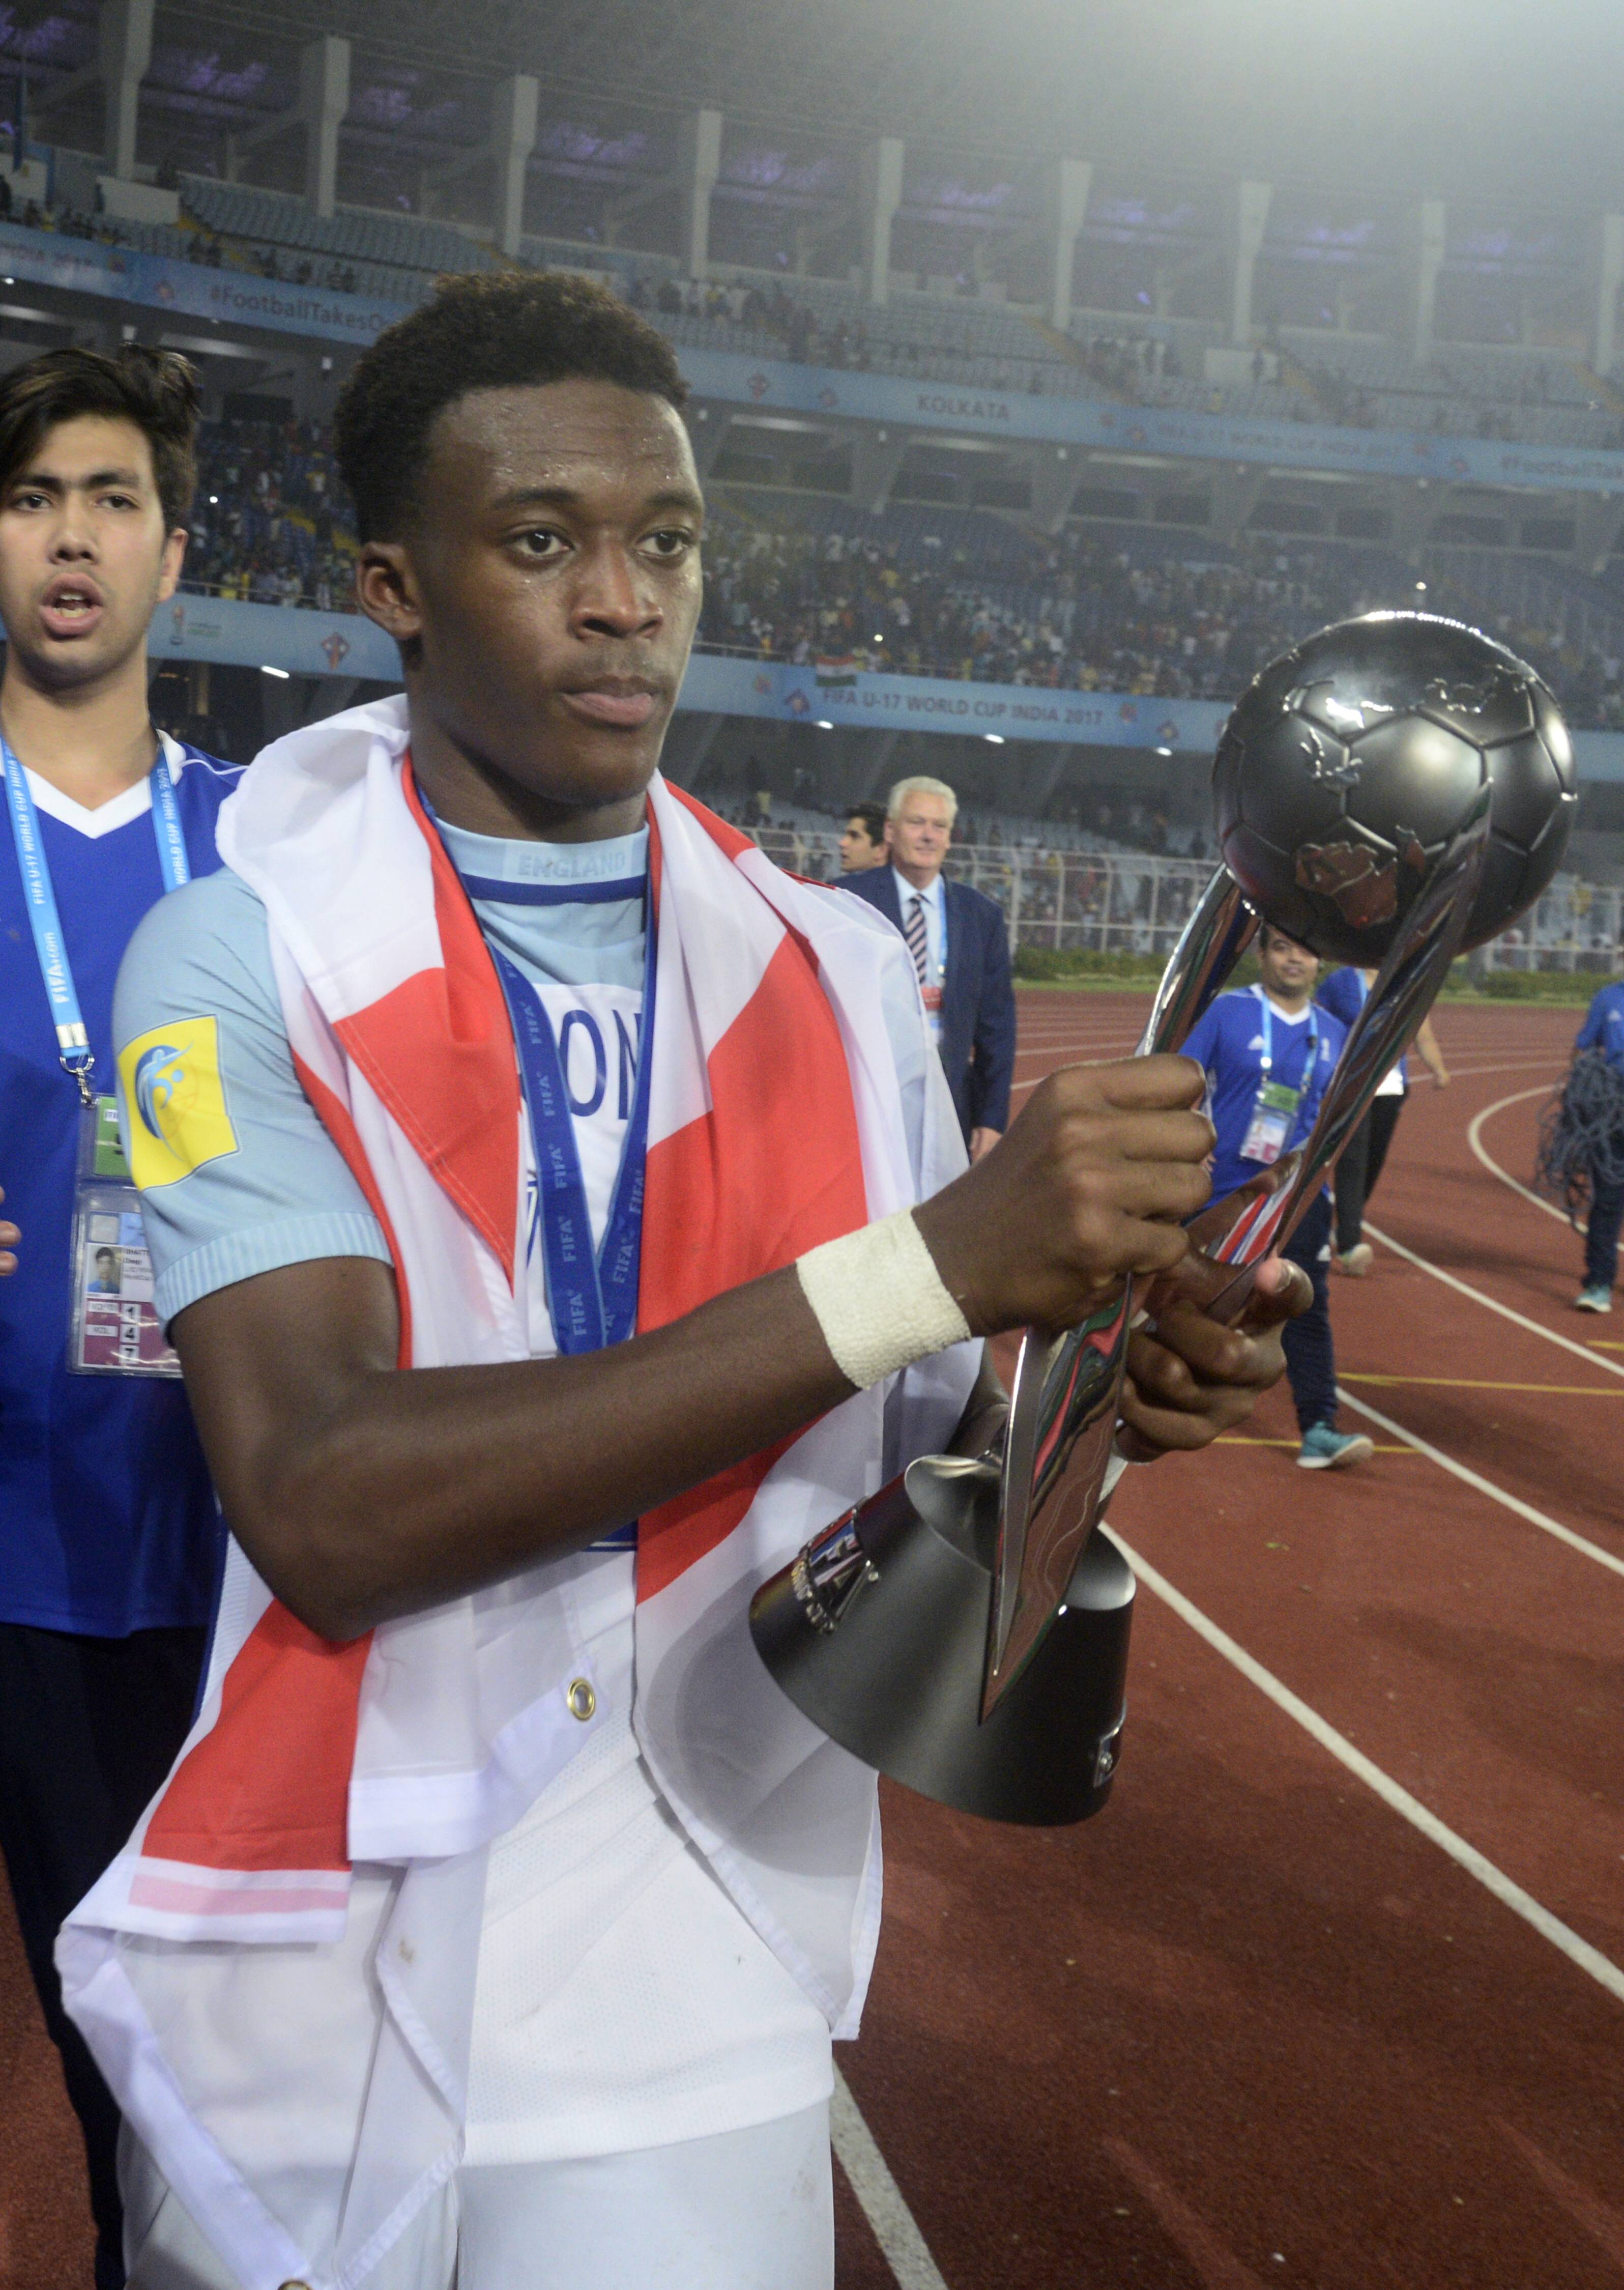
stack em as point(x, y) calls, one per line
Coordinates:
point(878, 1633)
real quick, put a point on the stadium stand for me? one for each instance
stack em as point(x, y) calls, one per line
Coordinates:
point(950, 592)
point(931, 328)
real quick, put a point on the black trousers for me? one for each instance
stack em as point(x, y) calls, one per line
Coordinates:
point(1602, 1246)
point(88, 1729)
point(1310, 1362)
point(1364, 1157)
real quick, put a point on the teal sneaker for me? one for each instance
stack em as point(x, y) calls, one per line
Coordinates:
point(1324, 1449)
point(1596, 1298)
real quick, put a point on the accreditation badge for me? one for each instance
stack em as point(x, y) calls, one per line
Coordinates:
point(115, 1328)
point(1273, 1116)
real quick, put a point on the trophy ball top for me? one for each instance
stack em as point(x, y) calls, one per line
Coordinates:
point(1351, 763)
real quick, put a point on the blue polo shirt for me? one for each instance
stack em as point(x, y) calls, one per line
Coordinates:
point(1603, 1026)
point(1228, 1042)
point(1344, 993)
point(108, 1516)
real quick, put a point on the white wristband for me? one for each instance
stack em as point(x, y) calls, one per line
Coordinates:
point(879, 1299)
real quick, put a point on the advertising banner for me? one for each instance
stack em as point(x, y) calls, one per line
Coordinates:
point(1112, 427)
point(272, 636)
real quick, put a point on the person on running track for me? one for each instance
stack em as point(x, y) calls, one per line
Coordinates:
point(579, 1219)
point(1268, 1051)
point(111, 1539)
point(1363, 1158)
point(1602, 1036)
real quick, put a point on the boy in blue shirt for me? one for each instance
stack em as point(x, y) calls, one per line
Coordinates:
point(1268, 1051)
point(107, 1559)
point(1603, 1031)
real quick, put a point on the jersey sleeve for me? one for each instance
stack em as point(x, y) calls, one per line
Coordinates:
point(1340, 993)
point(237, 1175)
point(1201, 1042)
point(1592, 1032)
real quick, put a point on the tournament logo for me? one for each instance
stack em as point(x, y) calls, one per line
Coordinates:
point(175, 1100)
point(160, 1072)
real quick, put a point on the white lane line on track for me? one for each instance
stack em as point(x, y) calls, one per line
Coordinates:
point(1507, 1065)
point(1486, 1486)
point(895, 2228)
point(1510, 1894)
point(1465, 1288)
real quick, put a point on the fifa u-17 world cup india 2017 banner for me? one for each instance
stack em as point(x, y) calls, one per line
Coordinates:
point(854, 700)
point(858, 701)
point(237, 297)
point(301, 643)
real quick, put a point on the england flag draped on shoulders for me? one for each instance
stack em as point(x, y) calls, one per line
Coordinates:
point(277, 1975)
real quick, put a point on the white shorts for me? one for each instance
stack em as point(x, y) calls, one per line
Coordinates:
point(752, 2210)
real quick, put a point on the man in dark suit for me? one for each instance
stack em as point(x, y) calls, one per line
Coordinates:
point(960, 944)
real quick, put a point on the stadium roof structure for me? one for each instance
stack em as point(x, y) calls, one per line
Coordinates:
point(1492, 99)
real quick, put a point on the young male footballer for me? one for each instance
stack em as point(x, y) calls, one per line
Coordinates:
point(588, 1226)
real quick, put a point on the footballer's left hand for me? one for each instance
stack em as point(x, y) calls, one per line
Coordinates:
point(1193, 1378)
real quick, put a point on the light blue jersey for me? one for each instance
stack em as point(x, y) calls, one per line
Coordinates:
point(569, 915)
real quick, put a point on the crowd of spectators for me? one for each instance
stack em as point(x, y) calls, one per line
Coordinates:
point(271, 524)
point(770, 321)
point(1085, 617)
point(1588, 679)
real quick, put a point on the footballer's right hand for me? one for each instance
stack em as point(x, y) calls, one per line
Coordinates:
point(1092, 1180)
point(9, 1239)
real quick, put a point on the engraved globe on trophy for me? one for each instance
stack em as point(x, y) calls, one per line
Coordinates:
point(1393, 791)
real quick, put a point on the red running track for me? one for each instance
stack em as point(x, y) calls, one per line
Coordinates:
point(1252, 2026)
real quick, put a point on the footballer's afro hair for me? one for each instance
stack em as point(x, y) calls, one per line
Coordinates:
point(482, 330)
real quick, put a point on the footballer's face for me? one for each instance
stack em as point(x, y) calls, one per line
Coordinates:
point(85, 556)
point(547, 595)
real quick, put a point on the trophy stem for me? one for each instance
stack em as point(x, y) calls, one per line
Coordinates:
point(1064, 1404)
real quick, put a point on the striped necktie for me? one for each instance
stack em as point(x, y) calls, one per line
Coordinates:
point(918, 940)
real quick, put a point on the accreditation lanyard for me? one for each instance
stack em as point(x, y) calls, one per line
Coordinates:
point(591, 1292)
point(72, 1040)
point(1274, 1115)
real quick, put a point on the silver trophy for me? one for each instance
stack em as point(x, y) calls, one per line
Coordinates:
point(1396, 789)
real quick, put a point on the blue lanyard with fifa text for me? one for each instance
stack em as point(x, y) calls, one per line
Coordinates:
point(591, 1292)
point(72, 1040)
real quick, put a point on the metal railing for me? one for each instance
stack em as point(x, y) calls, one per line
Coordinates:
point(1576, 925)
point(1128, 902)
